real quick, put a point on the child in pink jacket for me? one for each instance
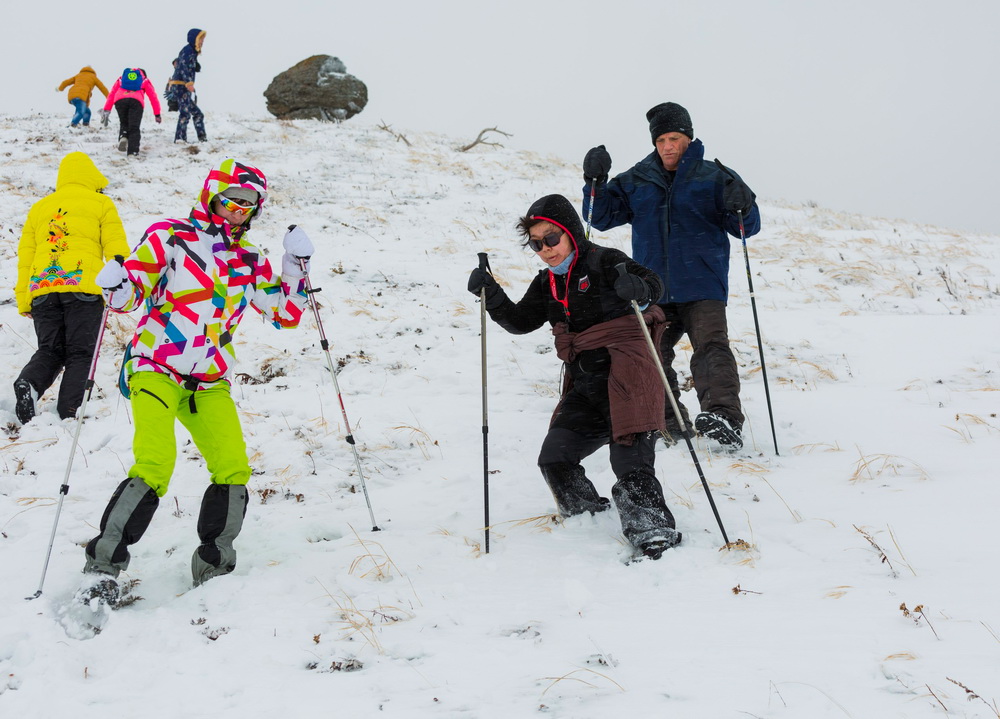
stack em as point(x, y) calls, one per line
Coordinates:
point(127, 97)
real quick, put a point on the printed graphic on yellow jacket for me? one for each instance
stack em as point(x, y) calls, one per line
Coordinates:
point(68, 235)
point(55, 275)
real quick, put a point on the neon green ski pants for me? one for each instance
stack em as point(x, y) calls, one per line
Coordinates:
point(157, 400)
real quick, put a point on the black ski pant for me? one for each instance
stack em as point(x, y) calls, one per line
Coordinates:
point(713, 366)
point(130, 117)
point(66, 325)
point(583, 426)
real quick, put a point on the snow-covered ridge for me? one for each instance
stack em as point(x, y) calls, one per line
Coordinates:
point(884, 373)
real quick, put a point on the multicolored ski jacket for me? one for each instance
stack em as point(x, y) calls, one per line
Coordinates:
point(197, 276)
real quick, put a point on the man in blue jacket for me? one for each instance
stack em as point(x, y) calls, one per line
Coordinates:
point(681, 208)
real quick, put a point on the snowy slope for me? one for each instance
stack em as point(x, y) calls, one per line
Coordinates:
point(883, 366)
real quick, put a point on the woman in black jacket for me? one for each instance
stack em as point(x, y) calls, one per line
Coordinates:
point(611, 390)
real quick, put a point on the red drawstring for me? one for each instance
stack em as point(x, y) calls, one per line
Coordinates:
point(552, 277)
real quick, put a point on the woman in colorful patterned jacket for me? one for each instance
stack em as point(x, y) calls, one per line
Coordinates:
point(128, 99)
point(196, 277)
point(79, 94)
point(66, 240)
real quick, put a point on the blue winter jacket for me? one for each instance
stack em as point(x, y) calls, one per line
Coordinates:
point(187, 59)
point(678, 230)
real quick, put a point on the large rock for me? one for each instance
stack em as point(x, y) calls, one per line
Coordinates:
point(317, 88)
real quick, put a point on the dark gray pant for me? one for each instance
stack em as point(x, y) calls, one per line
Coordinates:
point(713, 366)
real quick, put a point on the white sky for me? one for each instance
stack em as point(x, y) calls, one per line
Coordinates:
point(878, 107)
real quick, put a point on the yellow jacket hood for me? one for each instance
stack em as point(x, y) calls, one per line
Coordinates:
point(78, 169)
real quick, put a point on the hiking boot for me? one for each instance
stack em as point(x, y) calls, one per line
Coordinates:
point(717, 427)
point(656, 546)
point(25, 398)
point(105, 590)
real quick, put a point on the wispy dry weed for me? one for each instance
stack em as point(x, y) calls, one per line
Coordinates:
point(875, 465)
point(570, 677)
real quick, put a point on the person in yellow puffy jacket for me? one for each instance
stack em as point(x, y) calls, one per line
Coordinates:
point(67, 238)
point(81, 87)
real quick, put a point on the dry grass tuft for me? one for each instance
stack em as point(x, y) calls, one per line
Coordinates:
point(569, 677)
point(875, 465)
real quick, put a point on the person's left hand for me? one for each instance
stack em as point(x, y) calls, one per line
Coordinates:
point(27, 314)
point(632, 287)
point(158, 119)
point(737, 197)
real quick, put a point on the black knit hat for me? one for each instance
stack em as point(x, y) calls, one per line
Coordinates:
point(559, 211)
point(669, 117)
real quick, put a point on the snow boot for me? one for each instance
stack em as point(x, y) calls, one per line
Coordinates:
point(573, 492)
point(222, 511)
point(717, 427)
point(656, 546)
point(122, 143)
point(104, 589)
point(642, 510)
point(26, 399)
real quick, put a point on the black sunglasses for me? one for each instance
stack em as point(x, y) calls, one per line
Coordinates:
point(551, 240)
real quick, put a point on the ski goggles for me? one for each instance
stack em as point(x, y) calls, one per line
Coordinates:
point(237, 206)
point(550, 240)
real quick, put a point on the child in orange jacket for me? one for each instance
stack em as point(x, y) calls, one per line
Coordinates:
point(79, 94)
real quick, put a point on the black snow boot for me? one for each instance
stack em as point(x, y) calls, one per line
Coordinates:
point(573, 492)
point(646, 522)
point(720, 428)
point(25, 399)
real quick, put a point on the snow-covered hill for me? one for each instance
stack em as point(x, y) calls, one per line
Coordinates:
point(868, 586)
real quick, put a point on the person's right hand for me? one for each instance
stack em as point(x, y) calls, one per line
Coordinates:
point(481, 280)
point(189, 86)
point(596, 165)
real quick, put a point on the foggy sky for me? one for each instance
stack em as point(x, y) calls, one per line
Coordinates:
point(884, 108)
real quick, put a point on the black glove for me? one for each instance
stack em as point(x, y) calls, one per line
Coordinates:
point(596, 165)
point(481, 279)
point(632, 287)
point(737, 197)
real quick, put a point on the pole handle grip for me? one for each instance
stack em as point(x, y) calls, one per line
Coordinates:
point(484, 262)
point(725, 169)
point(621, 269)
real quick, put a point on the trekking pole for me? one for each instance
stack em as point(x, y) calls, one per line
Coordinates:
point(756, 323)
point(590, 209)
point(484, 264)
point(64, 488)
point(673, 403)
point(336, 385)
